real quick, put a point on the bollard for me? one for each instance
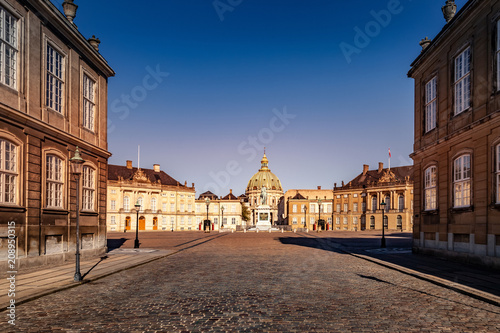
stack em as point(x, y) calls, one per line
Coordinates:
point(307, 230)
point(281, 230)
point(232, 231)
point(269, 230)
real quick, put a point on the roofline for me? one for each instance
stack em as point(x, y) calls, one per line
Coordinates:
point(70, 31)
point(415, 64)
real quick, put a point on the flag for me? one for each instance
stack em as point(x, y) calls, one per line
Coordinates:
point(389, 152)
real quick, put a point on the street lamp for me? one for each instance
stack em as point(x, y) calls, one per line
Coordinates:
point(383, 224)
point(305, 217)
point(207, 201)
point(137, 207)
point(319, 212)
point(76, 169)
point(222, 221)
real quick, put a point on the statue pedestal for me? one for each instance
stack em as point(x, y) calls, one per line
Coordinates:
point(263, 218)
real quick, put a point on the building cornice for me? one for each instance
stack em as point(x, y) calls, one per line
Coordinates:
point(7, 113)
point(62, 25)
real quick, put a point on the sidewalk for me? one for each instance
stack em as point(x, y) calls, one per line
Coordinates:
point(35, 284)
point(475, 281)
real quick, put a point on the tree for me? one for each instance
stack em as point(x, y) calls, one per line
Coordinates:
point(245, 213)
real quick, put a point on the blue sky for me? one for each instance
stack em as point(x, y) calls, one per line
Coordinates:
point(260, 73)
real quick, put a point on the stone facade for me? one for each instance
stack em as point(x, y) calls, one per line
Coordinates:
point(224, 212)
point(457, 137)
point(356, 205)
point(53, 88)
point(165, 203)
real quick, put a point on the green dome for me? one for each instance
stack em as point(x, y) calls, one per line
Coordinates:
point(264, 178)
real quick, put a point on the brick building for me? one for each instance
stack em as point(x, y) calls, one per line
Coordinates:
point(457, 136)
point(53, 97)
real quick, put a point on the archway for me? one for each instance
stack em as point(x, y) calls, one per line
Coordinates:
point(128, 223)
point(142, 223)
point(155, 223)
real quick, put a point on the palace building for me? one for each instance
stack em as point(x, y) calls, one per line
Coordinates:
point(224, 213)
point(53, 88)
point(356, 205)
point(264, 178)
point(457, 136)
point(163, 202)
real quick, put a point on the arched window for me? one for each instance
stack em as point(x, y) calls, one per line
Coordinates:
point(126, 203)
point(8, 172)
point(387, 203)
point(153, 204)
point(386, 222)
point(430, 183)
point(88, 184)
point(401, 200)
point(400, 222)
point(462, 181)
point(54, 182)
point(140, 201)
point(372, 222)
point(374, 203)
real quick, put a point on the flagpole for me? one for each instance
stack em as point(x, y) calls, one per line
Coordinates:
point(138, 156)
point(389, 159)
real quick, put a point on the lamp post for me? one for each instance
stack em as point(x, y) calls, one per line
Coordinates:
point(207, 201)
point(363, 209)
point(382, 245)
point(319, 212)
point(305, 217)
point(76, 169)
point(333, 197)
point(222, 221)
point(137, 207)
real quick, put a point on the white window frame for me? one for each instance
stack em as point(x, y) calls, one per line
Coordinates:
point(294, 209)
point(430, 188)
point(153, 204)
point(113, 205)
point(431, 104)
point(337, 220)
point(462, 82)
point(337, 208)
point(54, 80)
point(88, 102)
point(312, 220)
point(346, 207)
point(112, 220)
point(294, 220)
point(9, 47)
point(312, 208)
point(126, 203)
point(345, 220)
point(462, 181)
point(9, 173)
point(88, 188)
point(54, 166)
point(233, 220)
point(140, 201)
point(355, 207)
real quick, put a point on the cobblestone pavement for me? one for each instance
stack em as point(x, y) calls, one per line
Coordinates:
point(257, 283)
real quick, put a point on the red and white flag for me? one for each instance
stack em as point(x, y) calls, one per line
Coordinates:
point(389, 152)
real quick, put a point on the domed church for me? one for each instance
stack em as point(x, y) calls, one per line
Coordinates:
point(264, 181)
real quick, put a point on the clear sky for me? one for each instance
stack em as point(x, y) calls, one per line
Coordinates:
point(202, 86)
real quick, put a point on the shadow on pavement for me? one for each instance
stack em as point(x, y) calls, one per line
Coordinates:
point(398, 252)
point(115, 243)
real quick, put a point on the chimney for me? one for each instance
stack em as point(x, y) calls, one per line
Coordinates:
point(366, 167)
point(94, 42)
point(319, 187)
point(425, 43)
point(192, 185)
point(156, 167)
point(449, 10)
point(129, 164)
point(69, 10)
point(230, 191)
point(185, 183)
point(380, 167)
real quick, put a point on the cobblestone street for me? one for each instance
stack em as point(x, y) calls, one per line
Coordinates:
point(253, 282)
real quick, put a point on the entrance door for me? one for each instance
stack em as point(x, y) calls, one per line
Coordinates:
point(155, 223)
point(142, 223)
point(127, 223)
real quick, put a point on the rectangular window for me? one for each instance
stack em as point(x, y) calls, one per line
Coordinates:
point(345, 220)
point(311, 208)
point(355, 207)
point(346, 207)
point(294, 209)
point(198, 208)
point(172, 207)
point(329, 208)
point(337, 220)
point(8, 49)
point(164, 207)
point(311, 220)
point(303, 208)
point(126, 204)
point(462, 81)
point(55, 182)
point(303, 220)
point(233, 220)
point(113, 219)
point(498, 173)
point(8, 172)
point(190, 221)
point(190, 208)
point(430, 188)
point(462, 181)
point(337, 208)
point(182, 220)
point(88, 103)
point(113, 205)
point(430, 104)
point(88, 188)
point(55, 81)
point(294, 220)
point(233, 208)
point(164, 220)
point(355, 220)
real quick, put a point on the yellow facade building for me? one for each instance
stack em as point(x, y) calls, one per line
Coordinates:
point(165, 204)
point(224, 213)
